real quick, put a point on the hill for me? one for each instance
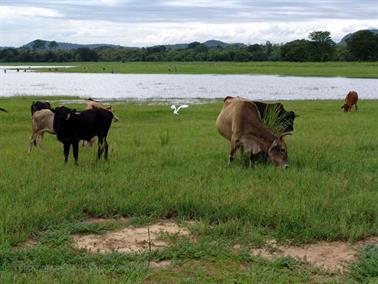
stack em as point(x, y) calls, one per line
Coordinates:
point(209, 43)
point(45, 44)
point(348, 36)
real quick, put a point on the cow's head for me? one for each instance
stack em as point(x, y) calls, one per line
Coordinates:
point(277, 152)
point(115, 117)
point(345, 107)
point(62, 114)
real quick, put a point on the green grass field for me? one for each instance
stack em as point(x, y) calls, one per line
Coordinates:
point(160, 163)
point(345, 69)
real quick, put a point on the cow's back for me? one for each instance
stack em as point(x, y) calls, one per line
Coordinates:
point(92, 122)
point(43, 119)
point(351, 98)
point(236, 116)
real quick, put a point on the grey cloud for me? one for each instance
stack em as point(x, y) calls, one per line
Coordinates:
point(132, 11)
point(149, 22)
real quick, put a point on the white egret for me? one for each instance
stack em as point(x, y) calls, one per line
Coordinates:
point(176, 110)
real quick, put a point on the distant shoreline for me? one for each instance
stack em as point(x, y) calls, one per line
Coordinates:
point(317, 69)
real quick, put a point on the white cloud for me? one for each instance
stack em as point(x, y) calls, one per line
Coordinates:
point(147, 34)
point(204, 3)
point(12, 12)
point(146, 23)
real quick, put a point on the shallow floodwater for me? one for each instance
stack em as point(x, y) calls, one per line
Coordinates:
point(161, 87)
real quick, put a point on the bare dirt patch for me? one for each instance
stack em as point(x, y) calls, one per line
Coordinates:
point(129, 239)
point(29, 243)
point(160, 264)
point(328, 256)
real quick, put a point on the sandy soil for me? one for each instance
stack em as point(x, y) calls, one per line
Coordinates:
point(129, 239)
point(328, 256)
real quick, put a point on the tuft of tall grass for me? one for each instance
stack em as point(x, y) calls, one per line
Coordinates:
point(272, 120)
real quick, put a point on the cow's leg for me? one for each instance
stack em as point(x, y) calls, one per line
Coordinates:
point(92, 141)
point(66, 151)
point(100, 147)
point(356, 106)
point(106, 148)
point(245, 156)
point(233, 148)
point(39, 138)
point(253, 158)
point(34, 139)
point(75, 149)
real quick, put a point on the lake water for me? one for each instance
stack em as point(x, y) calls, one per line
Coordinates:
point(184, 87)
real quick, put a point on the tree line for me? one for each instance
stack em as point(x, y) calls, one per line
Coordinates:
point(360, 46)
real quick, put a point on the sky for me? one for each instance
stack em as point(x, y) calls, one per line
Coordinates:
point(154, 22)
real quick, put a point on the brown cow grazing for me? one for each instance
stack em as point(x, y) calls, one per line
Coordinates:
point(91, 103)
point(240, 123)
point(42, 121)
point(285, 119)
point(350, 100)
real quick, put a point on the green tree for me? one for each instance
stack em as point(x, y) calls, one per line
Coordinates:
point(323, 45)
point(268, 48)
point(86, 54)
point(296, 50)
point(363, 45)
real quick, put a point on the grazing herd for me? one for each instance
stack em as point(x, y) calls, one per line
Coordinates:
point(241, 122)
point(71, 126)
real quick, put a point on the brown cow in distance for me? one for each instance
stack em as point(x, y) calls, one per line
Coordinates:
point(240, 122)
point(91, 103)
point(350, 100)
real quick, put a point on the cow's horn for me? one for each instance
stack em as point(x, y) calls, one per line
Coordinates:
point(286, 133)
